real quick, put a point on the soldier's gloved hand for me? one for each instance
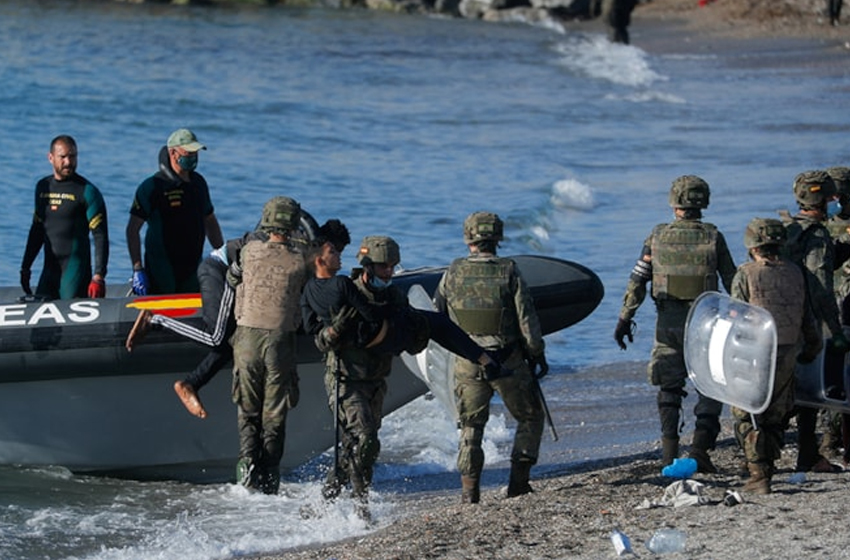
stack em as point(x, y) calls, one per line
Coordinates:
point(321, 343)
point(26, 276)
point(839, 343)
point(539, 367)
point(341, 321)
point(234, 275)
point(625, 329)
point(140, 283)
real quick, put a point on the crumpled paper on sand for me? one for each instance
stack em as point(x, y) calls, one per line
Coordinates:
point(680, 493)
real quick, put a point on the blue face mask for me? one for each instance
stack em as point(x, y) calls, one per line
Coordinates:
point(833, 208)
point(188, 162)
point(379, 284)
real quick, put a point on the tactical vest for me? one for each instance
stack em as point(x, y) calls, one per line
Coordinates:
point(272, 279)
point(778, 286)
point(478, 292)
point(684, 260)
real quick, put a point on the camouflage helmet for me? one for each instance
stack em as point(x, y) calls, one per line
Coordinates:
point(813, 189)
point(281, 214)
point(841, 178)
point(764, 231)
point(482, 226)
point(378, 249)
point(689, 192)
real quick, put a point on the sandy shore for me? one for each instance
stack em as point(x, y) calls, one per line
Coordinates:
point(572, 512)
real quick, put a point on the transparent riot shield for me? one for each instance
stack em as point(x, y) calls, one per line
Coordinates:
point(730, 351)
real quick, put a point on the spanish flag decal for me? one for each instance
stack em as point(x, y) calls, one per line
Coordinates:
point(173, 305)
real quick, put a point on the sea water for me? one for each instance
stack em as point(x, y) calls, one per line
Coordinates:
point(398, 125)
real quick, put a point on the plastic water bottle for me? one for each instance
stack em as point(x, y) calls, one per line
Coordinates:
point(680, 468)
point(665, 541)
point(797, 478)
point(621, 542)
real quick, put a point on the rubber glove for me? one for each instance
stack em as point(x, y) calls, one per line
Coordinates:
point(140, 283)
point(97, 288)
point(839, 343)
point(539, 367)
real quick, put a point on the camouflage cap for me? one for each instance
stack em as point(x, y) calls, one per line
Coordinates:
point(813, 189)
point(379, 249)
point(841, 178)
point(483, 226)
point(764, 231)
point(280, 214)
point(689, 192)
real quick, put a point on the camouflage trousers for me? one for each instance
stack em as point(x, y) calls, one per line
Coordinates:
point(762, 442)
point(361, 405)
point(265, 386)
point(667, 370)
point(473, 395)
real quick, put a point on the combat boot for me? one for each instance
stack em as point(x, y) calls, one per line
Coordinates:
point(699, 452)
point(759, 482)
point(518, 481)
point(470, 490)
point(669, 450)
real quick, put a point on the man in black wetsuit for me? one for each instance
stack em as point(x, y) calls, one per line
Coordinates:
point(175, 203)
point(67, 208)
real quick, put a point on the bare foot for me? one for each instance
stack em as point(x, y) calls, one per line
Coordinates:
point(190, 399)
point(139, 330)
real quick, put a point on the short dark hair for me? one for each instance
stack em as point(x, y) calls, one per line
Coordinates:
point(63, 139)
point(335, 232)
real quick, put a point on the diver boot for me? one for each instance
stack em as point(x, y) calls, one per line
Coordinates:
point(470, 490)
point(518, 482)
point(669, 450)
point(759, 482)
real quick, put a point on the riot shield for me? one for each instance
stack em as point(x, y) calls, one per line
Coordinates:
point(730, 351)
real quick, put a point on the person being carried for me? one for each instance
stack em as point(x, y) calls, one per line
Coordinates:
point(67, 208)
point(361, 324)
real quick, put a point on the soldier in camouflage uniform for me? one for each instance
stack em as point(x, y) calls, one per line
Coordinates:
point(268, 277)
point(810, 246)
point(681, 259)
point(835, 424)
point(361, 374)
point(488, 298)
point(774, 283)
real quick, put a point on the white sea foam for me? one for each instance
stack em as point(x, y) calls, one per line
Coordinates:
point(594, 56)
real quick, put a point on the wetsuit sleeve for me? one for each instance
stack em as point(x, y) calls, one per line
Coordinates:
point(725, 263)
point(96, 216)
point(35, 239)
point(636, 288)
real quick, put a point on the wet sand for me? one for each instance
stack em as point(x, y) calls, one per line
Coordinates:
point(577, 503)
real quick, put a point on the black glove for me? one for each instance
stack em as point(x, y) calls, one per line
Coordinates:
point(26, 276)
point(538, 366)
point(625, 329)
point(839, 343)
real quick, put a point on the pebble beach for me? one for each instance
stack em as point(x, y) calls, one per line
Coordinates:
point(575, 508)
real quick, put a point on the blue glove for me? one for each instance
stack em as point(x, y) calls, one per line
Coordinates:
point(140, 283)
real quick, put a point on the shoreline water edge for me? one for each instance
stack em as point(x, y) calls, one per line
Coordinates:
point(577, 509)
